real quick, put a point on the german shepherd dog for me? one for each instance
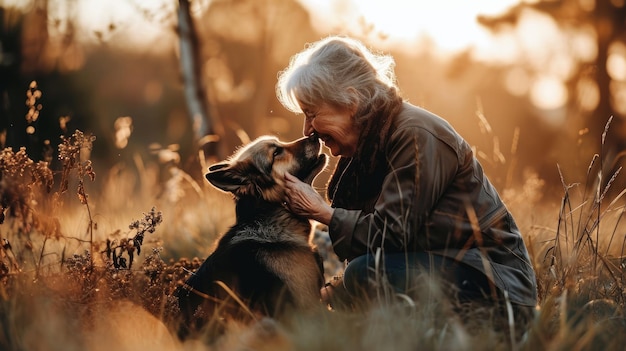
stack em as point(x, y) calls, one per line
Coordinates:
point(264, 265)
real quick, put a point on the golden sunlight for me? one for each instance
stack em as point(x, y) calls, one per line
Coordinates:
point(141, 21)
point(618, 91)
point(616, 62)
point(548, 93)
point(123, 129)
point(451, 27)
point(517, 81)
point(450, 24)
point(443, 28)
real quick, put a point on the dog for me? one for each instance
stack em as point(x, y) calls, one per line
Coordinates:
point(265, 264)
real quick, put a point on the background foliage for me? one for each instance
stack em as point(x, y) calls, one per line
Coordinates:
point(105, 210)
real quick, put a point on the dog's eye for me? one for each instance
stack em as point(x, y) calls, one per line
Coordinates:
point(278, 151)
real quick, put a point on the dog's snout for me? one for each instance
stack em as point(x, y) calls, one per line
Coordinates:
point(313, 136)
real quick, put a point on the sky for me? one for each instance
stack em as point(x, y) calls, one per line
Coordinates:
point(452, 27)
point(451, 24)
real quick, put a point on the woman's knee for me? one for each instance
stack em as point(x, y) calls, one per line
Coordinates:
point(403, 272)
point(365, 274)
point(356, 276)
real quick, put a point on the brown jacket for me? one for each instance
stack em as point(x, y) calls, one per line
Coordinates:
point(433, 197)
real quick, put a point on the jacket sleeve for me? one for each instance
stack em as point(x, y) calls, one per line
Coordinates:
point(422, 165)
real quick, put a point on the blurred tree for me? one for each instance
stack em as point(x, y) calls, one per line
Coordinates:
point(204, 124)
point(86, 80)
point(230, 52)
point(10, 54)
point(595, 92)
point(33, 60)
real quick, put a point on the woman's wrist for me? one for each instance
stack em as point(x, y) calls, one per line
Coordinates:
point(325, 214)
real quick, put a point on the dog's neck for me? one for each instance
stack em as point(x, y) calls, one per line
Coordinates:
point(250, 209)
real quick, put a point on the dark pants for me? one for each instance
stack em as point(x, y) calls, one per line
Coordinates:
point(406, 273)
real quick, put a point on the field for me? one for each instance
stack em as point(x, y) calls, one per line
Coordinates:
point(89, 262)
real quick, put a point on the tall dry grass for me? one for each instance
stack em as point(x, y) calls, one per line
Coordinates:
point(86, 267)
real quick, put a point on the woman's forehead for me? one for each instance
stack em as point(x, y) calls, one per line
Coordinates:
point(309, 107)
point(323, 108)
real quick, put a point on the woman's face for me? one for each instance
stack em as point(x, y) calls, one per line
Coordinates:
point(334, 126)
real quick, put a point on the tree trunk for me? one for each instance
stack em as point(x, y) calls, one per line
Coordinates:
point(207, 130)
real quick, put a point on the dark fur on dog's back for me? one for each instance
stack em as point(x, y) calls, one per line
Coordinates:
point(265, 259)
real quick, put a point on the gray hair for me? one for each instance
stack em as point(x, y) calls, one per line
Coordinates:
point(339, 71)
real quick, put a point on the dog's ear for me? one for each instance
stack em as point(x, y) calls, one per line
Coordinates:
point(225, 177)
point(239, 178)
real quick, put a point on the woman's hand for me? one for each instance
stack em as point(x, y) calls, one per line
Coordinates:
point(303, 200)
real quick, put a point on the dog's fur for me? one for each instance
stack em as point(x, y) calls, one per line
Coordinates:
point(265, 260)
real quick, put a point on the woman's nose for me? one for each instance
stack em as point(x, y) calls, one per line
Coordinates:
point(307, 127)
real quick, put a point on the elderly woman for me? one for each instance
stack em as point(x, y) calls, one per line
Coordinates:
point(407, 196)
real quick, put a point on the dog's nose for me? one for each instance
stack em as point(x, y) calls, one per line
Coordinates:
point(313, 136)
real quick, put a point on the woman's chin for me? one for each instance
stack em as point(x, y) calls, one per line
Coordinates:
point(334, 149)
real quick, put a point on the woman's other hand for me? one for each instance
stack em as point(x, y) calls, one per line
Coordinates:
point(303, 200)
